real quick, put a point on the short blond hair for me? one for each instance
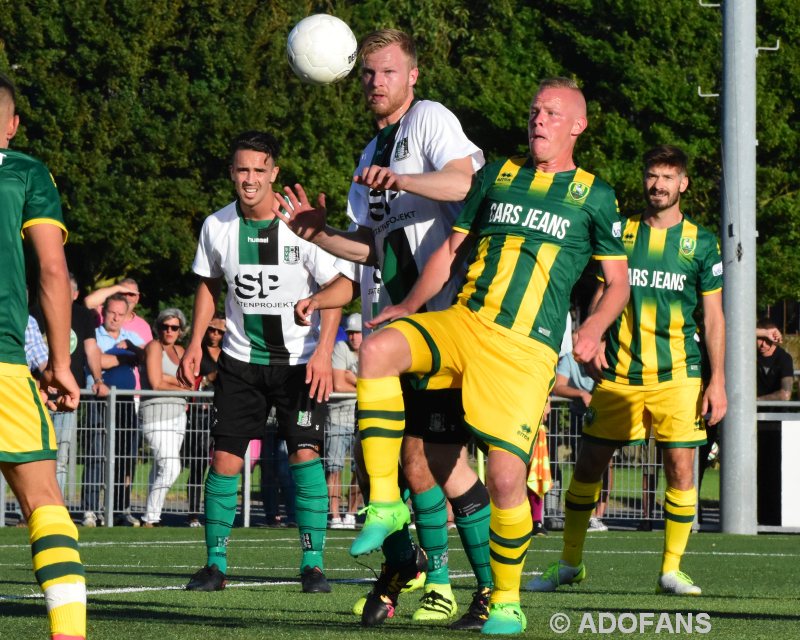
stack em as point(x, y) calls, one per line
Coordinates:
point(385, 37)
point(558, 82)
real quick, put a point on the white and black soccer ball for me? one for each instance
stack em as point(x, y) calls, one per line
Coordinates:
point(321, 49)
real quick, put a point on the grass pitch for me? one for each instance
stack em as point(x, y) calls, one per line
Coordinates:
point(136, 578)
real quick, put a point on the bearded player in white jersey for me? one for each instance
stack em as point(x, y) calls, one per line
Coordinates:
point(267, 360)
point(407, 192)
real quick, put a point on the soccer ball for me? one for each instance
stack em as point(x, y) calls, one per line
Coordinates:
point(321, 49)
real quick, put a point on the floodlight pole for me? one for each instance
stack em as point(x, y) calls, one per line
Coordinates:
point(738, 494)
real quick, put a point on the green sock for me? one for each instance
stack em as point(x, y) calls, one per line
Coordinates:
point(430, 513)
point(311, 506)
point(471, 514)
point(220, 502)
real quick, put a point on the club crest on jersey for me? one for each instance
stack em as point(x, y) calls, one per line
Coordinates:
point(687, 246)
point(303, 418)
point(291, 255)
point(578, 191)
point(401, 151)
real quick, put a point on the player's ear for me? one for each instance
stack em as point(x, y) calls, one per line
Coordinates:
point(13, 124)
point(579, 126)
point(684, 183)
point(275, 170)
point(412, 76)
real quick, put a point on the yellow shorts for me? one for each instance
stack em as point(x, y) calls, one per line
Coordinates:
point(26, 432)
point(623, 414)
point(504, 379)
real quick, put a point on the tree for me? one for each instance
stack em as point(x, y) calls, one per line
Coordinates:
point(132, 106)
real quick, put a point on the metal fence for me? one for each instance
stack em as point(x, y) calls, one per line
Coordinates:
point(123, 447)
point(632, 487)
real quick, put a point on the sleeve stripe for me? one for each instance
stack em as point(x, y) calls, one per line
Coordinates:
point(623, 257)
point(708, 293)
point(461, 230)
point(52, 221)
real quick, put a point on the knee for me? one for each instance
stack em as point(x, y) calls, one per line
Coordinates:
point(503, 485)
point(371, 361)
point(383, 354)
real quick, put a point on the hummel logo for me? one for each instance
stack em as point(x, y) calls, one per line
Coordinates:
point(258, 240)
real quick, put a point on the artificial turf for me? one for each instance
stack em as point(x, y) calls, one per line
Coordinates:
point(136, 576)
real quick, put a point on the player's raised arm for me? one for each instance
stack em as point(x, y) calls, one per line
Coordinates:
point(310, 223)
point(450, 184)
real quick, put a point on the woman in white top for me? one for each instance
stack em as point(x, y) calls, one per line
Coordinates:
point(163, 420)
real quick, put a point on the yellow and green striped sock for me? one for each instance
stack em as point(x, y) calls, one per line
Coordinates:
point(381, 423)
point(579, 503)
point(509, 538)
point(679, 511)
point(59, 571)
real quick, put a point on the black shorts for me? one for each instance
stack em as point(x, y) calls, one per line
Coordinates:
point(244, 393)
point(435, 416)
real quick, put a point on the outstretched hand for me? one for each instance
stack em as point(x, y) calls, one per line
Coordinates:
point(296, 211)
point(392, 312)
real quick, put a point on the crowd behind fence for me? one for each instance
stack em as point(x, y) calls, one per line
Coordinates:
point(109, 467)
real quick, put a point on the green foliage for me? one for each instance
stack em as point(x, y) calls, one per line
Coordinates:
point(132, 106)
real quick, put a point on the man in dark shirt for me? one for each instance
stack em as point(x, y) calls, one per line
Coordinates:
point(775, 375)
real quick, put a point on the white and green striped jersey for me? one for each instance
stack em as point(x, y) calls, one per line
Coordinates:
point(267, 269)
point(408, 227)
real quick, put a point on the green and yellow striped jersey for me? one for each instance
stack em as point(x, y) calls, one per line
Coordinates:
point(668, 270)
point(28, 196)
point(536, 232)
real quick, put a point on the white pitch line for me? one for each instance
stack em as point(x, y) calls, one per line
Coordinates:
point(247, 543)
point(291, 543)
point(230, 585)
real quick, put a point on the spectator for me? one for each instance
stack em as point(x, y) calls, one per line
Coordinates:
point(35, 348)
point(163, 419)
point(84, 357)
point(775, 375)
point(128, 288)
point(574, 383)
point(540, 479)
point(121, 352)
point(196, 445)
point(340, 427)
